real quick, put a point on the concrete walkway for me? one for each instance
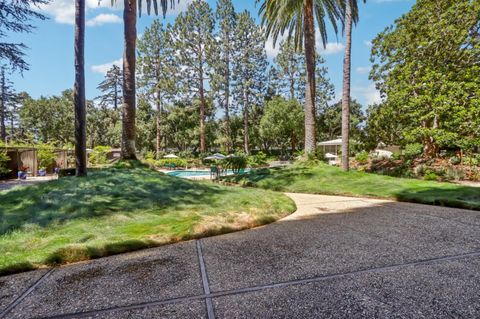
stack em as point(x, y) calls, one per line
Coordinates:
point(336, 257)
point(5, 185)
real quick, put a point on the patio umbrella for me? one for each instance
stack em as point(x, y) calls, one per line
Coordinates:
point(170, 156)
point(216, 156)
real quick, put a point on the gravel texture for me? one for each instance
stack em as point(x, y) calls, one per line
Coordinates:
point(149, 275)
point(12, 287)
point(445, 290)
point(359, 235)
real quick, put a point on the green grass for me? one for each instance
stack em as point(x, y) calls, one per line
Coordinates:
point(324, 179)
point(116, 210)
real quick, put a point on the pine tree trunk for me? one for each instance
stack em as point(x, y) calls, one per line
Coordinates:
point(129, 98)
point(203, 148)
point(3, 131)
point(227, 100)
point(79, 91)
point(309, 43)
point(158, 119)
point(246, 142)
point(346, 89)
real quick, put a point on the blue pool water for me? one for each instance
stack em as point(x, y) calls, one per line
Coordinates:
point(196, 173)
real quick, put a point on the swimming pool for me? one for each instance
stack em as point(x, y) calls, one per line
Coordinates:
point(186, 174)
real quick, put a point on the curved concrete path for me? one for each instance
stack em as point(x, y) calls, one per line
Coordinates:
point(336, 257)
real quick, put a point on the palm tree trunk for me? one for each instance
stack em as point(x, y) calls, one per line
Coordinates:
point(129, 98)
point(309, 43)
point(79, 91)
point(346, 89)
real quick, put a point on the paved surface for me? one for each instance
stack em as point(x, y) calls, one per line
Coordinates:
point(336, 257)
point(4, 185)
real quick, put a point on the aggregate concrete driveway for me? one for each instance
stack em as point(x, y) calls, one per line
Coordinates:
point(336, 257)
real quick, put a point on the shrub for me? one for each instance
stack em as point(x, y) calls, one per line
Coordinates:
point(236, 163)
point(318, 154)
point(471, 161)
point(149, 155)
point(420, 170)
point(257, 160)
point(177, 162)
point(430, 176)
point(362, 157)
point(4, 159)
point(413, 150)
point(454, 160)
point(455, 174)
point(99, 155)
point(46, 157)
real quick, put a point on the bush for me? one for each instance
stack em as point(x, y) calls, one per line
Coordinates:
point(46, 157)
point(455, 160)
point(168, 162)
point(430, 176)
point(362, 157)
point(455, 174)
point(149, 155)
point(4, 159)
point(318, 154)
point(236, 163)
point(413, 150)
point(257, 160)
point(420, 170)
point(99, 155)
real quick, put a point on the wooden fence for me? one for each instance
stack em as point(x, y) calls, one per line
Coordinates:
point(27, 157)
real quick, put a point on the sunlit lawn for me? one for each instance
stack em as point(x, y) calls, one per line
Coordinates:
point(324, 179)
point(117, 209)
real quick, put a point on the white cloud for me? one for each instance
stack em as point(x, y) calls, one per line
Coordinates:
point(368, 43)
point(369, 93)
point(363, 69)
point(331, 48)
point(272, 51)
point(103, 68)
point(102, 19)
point(63, 11)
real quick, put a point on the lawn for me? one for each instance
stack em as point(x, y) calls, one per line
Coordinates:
point(324, 179)
point(116, 210)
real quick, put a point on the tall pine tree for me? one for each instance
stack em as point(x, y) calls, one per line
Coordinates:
point(157, 70)
point(194, 44)
point(249, 69)
point(222, 78)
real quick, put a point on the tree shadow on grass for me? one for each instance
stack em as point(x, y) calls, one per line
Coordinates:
point(459, 196)
point(102, 193)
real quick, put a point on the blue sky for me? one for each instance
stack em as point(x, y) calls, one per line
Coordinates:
point(51, 45)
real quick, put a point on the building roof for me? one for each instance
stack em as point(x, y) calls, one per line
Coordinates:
point(336, 142)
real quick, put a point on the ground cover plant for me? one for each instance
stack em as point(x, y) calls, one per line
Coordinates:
point(121, 209)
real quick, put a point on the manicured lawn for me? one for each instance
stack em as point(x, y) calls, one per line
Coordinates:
point(324, 179)
point(118, 209)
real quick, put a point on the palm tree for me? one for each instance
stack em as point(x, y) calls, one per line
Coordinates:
point(129, 58)
point(297, 18)
point(79, 91)
point(351, 16)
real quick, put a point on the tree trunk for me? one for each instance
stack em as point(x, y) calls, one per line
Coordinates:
point(129, 98)
point(158, 119)
point(79, 91)
point(3, 131)
point(227, 101)
point(309, 43)
point(203, 148)
point(346, 89)
point(246, 142)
